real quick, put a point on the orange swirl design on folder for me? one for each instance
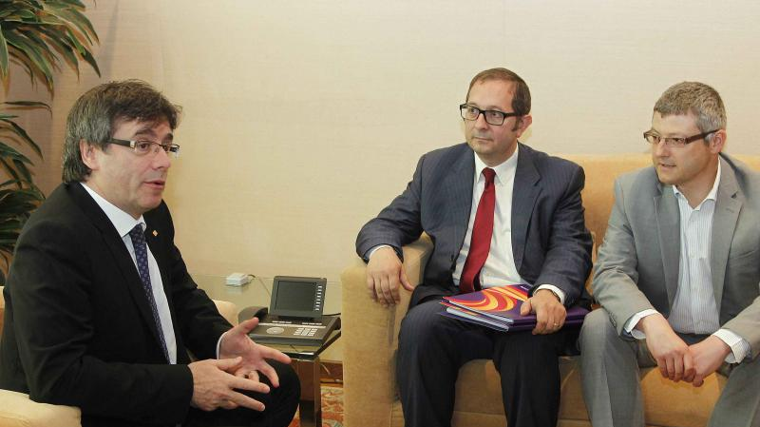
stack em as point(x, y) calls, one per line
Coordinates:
point(496, 299)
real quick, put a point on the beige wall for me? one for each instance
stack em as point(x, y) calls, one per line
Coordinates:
point(304, 118)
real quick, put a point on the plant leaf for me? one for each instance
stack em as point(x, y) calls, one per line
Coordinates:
point(28, 50)
point(83, 51)
point(72, 15)
point(87, 56)
point(22, 133)
point(27, 104)
point(3, 54)
point(8, 152)
point(24, 171)
point(59, 43)
point(10, 170)
point(43, 48)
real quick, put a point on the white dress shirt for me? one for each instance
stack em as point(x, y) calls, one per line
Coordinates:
point(500, 268)
point(694, 308)
point(124, 223)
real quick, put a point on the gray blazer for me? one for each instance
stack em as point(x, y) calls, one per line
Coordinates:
point(550, 242)
point(638, 262)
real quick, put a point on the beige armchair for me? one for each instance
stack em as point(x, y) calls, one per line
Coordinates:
point(17, 410)
point(371, 338)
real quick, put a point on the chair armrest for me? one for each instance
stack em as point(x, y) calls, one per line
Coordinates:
point(228, 310)
point(16, 409)
point(370, 339)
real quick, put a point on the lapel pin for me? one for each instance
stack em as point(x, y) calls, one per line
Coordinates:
point(155, 233)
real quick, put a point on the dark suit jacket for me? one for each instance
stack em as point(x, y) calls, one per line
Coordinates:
point(550, 242)
point(639, 260)
point(78, 326)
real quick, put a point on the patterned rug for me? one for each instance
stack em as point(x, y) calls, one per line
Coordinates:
point(332, 407)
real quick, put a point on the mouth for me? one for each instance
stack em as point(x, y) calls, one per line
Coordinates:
point(157, 184)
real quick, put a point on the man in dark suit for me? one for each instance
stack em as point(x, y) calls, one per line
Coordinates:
point(678, 271)
point(498, 212)
point(100, 310)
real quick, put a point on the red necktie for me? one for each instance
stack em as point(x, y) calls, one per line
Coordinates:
point(482, 231)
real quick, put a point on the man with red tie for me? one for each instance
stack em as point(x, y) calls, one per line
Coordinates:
point(498, 212)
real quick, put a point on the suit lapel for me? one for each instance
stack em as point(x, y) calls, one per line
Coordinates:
point(728, 204)
point(524, 196)
point(125, 266)
point(669, 232)
point(460, 187)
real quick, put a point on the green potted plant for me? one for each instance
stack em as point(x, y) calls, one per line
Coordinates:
point(40, 36)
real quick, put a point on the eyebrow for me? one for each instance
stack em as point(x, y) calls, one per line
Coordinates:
point(670, 136)
point(491, 107)
point(147, 130)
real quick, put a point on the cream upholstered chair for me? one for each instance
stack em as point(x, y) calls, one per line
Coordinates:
point(17, 410)
point(370, 340)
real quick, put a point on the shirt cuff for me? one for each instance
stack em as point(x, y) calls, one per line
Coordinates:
point(219, 344)
point(739, 346)
point(375, 248)
point(629, 329)
point(557, 291)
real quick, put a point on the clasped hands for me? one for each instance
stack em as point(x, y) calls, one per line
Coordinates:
point(241, 361)
point(678, 361)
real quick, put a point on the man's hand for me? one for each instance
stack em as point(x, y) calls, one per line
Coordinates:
point(384, 274)
point(214, 388)
point(668, 349)
point(236, 343)
point(708, 355)
point(550, 313)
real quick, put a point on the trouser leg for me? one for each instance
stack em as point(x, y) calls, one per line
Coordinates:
point(739, 403)
point(610, 374)
point(530, 380)
point(432, 348)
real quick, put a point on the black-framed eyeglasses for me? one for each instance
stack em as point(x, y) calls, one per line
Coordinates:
point(493, 117)
point(655, 139)
point(144, 147)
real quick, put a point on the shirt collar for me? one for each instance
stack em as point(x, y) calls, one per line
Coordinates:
point(123, 221)
point(503, 170)
point(712, 195)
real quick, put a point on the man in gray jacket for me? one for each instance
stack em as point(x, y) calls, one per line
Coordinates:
point(678, 272)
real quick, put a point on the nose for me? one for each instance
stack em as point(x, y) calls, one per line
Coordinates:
point(661, 148)
point(480, 121)
point(162, 159)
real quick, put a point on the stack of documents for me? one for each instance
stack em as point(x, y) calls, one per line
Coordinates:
point(499, 308)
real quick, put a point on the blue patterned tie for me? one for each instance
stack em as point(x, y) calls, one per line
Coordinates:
point(141, 254)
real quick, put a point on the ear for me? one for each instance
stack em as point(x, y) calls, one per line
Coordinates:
point(89, 154)
point(523, 124)
point(718, 141)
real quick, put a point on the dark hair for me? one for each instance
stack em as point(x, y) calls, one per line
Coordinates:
point(95, 114)
point(696, 98)
point(521, 98)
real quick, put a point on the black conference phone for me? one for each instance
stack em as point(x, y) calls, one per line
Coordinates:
point(295, 313)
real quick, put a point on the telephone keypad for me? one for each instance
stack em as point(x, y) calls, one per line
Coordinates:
point(305, 332)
